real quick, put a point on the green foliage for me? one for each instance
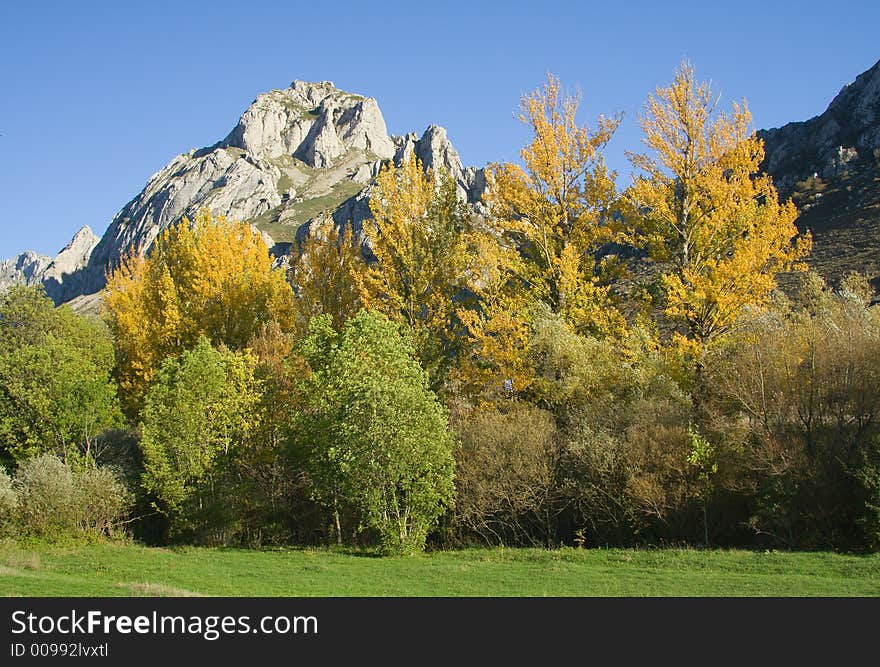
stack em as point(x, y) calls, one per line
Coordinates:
point(374, 434)
point(8, 503)
point(54, 501)
point(197, 418)
point(56, 391)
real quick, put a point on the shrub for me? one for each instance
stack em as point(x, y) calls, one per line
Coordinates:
point(8, 503)
point(101, 500)
point(799, 382)
point(506, 469)
point(56, 502)
point(47, 504)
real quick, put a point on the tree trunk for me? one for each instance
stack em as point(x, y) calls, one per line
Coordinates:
point(337, 522)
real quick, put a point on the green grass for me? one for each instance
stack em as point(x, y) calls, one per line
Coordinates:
point(296, 213)
point(128, 570)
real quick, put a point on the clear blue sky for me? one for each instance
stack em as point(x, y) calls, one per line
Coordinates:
point(96, 97)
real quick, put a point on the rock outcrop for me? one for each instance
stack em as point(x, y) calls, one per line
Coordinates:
point(26, 269)
point(841, 140)
point(61, 276)
point(830, 167)
point(308, 151)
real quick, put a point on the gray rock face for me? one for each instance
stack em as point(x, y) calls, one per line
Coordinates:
point(64, 277)
point(26, 269)
point(61, 276)
point(297, 154)
point(831, 144)
point(436, 152)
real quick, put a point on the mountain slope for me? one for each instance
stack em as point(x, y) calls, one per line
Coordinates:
point(296, 154)
point(830, 167)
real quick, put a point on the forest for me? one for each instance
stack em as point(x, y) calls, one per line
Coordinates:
point(589, 364)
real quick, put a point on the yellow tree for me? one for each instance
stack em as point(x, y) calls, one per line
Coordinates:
point(707, 215)
point(420, 257)
point(557, 208)
point(322, 275)
point(494, 362)
point(210, 277)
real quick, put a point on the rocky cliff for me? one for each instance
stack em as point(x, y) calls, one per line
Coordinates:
point(830, 167)
point(296, 154)
point(61, 275)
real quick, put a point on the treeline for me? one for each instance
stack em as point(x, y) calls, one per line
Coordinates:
point(586, 364)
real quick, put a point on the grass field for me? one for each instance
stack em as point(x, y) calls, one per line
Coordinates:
point(131, 570)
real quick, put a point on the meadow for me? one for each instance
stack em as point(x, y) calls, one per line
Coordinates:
point(114, 569)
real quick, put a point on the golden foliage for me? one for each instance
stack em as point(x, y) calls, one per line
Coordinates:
point(322, 275)
point(706, 213)
point(495, 362)
point(558, 209)
point(210, 277)
point(421, 255)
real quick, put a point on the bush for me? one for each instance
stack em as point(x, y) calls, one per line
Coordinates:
point(798, 387)
point(46, 496)
point(505, 474)
point(8, 503)
point(55, 502)
point(101, 500)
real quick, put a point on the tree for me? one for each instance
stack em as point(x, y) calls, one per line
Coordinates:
point(197, 417)
point(322, 275)
point(707, 215)
point(493, 363)
point(417, 237)
point(374, 434)
point(210, 277)
point(558, 208)
point(56, 390)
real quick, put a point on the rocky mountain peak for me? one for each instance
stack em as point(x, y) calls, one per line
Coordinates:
point(295, 155)
point(314, 122)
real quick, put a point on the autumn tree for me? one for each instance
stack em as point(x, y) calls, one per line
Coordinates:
point(321, 275)
point(420, 256)
point(211, 277)
point(558, 209)
point(493, 362)
point(707, 215)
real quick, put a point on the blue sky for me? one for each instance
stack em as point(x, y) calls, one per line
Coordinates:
point(96, 97)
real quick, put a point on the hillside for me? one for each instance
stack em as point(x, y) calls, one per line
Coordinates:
point(830, 167)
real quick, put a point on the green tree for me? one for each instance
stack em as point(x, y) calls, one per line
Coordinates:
point(376, 436)
point(196, 419)
point(56, 390)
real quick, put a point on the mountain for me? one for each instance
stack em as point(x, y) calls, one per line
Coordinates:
point(830, 167)
point(296, 154)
